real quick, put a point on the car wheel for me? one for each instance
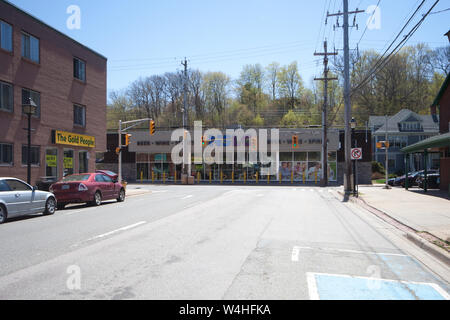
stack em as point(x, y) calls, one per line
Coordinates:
point(3, 214)
point(50, 206)
point(121, 197)
point(97, 199)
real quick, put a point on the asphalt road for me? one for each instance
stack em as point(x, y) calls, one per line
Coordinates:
point(215, 242)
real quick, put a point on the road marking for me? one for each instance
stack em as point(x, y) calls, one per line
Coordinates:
point(117, 230)
point(187, 197)
point(346, 287)
point(352, 251)
point(160, 191)
point(312, 286)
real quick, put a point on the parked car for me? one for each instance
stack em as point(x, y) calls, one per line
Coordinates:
point(18, 198)
point(91, 188)
point(434, 181)
point(412, 177)
point(45, 182)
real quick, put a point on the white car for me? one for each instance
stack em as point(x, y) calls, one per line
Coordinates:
point(17, 198)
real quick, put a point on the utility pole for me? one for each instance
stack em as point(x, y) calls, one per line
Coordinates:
point(348, 108)
point(185, 124)
point(387, 155)
point(325, 79)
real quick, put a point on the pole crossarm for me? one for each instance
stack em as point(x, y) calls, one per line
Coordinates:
point(325, 79)
point(342, 13)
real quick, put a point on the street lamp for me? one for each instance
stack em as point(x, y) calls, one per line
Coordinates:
point(353, 126)
point(29, 109)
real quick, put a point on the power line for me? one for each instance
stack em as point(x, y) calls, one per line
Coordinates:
point(382, 63)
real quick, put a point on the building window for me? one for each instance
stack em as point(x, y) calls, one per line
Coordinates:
point(6, 36)
point(35, 96)
point(6, 154)
point(83, 161)
point(79, 69)
point(35, 155)
point(51, 163)
point(6, 96)
point(30, 47)
point(79, 115)
point(68, 162)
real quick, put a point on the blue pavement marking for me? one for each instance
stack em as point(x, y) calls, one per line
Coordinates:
point(342, 287)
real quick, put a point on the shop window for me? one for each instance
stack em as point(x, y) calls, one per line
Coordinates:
point(51, 163)
point(83, 162)
point(6, 154)
point(34, 155)
point(68, 162)
point(6, 96)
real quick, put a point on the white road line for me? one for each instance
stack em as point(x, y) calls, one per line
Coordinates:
point(187, 197)
point(354, 251)
point(117, 230)
point(160, 191)
point(312, 286)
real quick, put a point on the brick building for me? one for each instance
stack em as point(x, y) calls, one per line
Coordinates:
point(66, 80)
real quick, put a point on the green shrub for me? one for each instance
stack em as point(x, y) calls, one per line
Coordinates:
point(378, 168)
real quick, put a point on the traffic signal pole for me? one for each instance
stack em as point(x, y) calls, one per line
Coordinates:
point(121, 131)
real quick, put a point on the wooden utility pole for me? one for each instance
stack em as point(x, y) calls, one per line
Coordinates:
point(325, 79)
point(348, 108)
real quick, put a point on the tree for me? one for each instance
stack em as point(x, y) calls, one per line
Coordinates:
point(290, 84)
point(272, 71)
point(216, 88)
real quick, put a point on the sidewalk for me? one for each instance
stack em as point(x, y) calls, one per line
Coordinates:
point(423, 212)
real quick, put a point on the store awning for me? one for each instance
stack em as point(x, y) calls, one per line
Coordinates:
point(440, 141)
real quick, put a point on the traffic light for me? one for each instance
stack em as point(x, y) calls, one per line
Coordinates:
point(295, 144)
point(383, 145)
point(117, 150)
point(152, 127)
point(254, 144)
point(127, 140)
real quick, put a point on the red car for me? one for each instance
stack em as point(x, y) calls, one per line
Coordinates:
point(91, 188)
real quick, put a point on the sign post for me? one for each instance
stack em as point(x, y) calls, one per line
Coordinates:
point(356, 154)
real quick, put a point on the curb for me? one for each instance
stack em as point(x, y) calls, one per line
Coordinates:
point(410, 233)
point(430, 248)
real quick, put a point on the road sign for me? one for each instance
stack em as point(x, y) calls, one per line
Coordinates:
point(383, 145)
point(357, 154)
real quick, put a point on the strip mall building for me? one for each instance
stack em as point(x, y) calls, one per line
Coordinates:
point(149, 157)
point(66, 80)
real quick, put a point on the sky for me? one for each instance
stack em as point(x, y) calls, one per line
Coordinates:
point(147, 37)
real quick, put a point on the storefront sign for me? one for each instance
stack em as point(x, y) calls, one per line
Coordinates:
point(51, 161)
point(73, 139)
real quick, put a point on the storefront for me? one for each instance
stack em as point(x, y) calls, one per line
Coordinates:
point(72, 153)
point(301, 164)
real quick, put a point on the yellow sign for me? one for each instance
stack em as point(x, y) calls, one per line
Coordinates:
point(68, 163)
point(74, 139)
point(51, 161)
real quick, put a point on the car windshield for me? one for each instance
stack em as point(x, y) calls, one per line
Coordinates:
point(77, 177)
